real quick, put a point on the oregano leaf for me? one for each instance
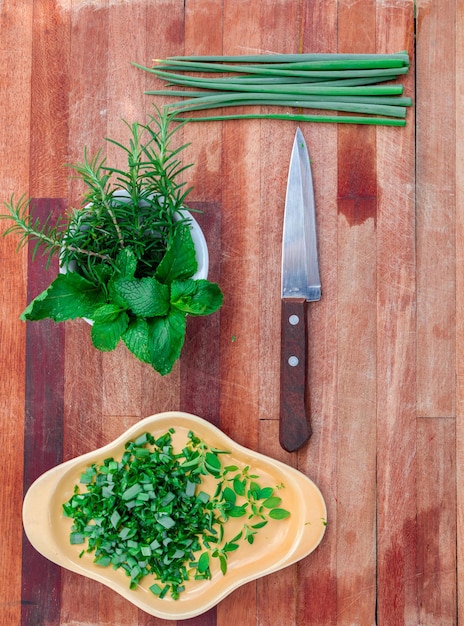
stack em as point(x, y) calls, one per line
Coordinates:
point(279, 514)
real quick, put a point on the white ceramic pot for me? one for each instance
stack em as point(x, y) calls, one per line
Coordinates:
point(199, 241)
point(198, 237)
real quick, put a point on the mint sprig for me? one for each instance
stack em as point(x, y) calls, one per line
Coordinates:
point(132, 249)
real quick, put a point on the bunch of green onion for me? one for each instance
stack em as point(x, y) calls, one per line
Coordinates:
point(345, 83)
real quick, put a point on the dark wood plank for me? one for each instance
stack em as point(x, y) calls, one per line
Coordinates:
point(436, 521)
point(43, 432)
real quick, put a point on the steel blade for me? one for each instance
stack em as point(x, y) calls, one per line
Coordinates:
point(300, 266)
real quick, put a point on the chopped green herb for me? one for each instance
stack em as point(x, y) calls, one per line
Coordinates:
point(148, 515)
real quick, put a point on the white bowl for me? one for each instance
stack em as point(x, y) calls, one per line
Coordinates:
point(199, 241)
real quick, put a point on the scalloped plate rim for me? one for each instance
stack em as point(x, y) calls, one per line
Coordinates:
point(53, 476)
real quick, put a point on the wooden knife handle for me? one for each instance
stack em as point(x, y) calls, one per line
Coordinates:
point(294, 427)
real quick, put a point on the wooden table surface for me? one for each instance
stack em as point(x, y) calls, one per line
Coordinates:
point(386, 340)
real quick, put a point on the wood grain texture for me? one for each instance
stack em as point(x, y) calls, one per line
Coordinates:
point(436, 521)
point(385, 355)
point(43, 432)
point(460, 309)
point(435, 187)
point(356, 307)
point(15, 104)
point(396, 353)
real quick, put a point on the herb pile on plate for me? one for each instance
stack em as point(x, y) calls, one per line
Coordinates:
point(148, 514)
point(352, 84)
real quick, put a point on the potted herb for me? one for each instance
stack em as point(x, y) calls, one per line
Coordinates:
point(127, 257)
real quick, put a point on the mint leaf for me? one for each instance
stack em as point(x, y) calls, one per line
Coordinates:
point(126, 263)
point(69, 296)
point(106, 334)
point(166, 340)
point(106, 313)
point(146, 297)
point(196, 297)
point(137, 338)
point(179, 260)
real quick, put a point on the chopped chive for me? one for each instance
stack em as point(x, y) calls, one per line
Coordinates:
point(152, 522)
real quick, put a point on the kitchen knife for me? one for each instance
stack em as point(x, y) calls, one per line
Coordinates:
point(300, 283)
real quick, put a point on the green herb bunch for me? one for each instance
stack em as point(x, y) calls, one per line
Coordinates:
point(149, 515)
point(127, 254)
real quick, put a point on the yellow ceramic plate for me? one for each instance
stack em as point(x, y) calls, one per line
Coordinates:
point(279, 544)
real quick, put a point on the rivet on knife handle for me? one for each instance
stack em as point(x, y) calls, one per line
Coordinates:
point(294, 428)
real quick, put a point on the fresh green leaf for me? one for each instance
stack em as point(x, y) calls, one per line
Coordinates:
point(137, 337)
point(272, 502)
point(106, 313)
point(196, 297)
point(237, 511)
point(106, 334)
point(69, 296)
point(179, 260)
point(239, 486)
point(166, 338)
point(203, 562)
point(279, 514)
point(146, 297)
point(126, 263)
point(139, 513)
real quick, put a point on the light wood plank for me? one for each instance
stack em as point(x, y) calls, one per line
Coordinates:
point(436, 204)
point(317, 576)
point(396, 346)
point(84, 427)
point(240, 244)
point(15, 75)
point(280, 25)
point(460, 307)
point(356, 307)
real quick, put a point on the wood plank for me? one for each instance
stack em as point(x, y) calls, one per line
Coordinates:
point(459, 309)
point(356, 394)
point(122, 373)
point(280, 26)
point(317, 578)
point(436, 521)
point(436, 205)
point(396, 346)
point(200, 362)
point(43, 439)
point(84, 428)
point(239, 276)
point(15, 103)
point(164, 37)
point(50, 90)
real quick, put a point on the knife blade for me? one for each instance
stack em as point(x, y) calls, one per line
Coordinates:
point(300, 283)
